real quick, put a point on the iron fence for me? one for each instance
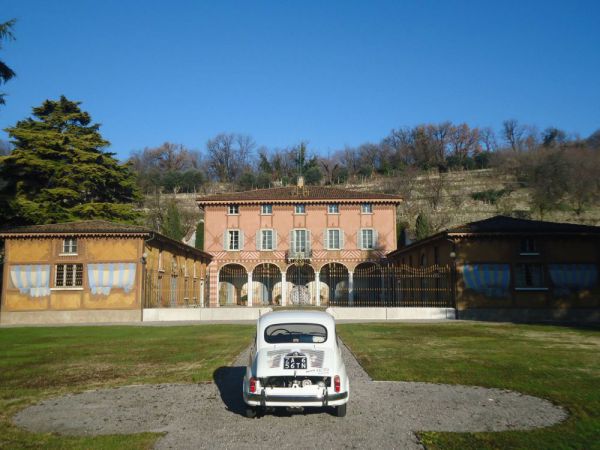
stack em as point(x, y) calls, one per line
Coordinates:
point(167, 290)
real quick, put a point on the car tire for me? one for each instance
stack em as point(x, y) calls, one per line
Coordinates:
point(340, 411)
point(250, 412)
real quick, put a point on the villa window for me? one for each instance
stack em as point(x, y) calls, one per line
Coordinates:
point(367, 238)
point(366, 208)
point(266, 209)
point(528, 247)
point(68, 275)
point(69, 246)
point(300, 209)
point(233, 210)
point(529, 277)
point(300, 241)
point(333, 208)
point(267, 240)
point(233, 240)
point(333, 239)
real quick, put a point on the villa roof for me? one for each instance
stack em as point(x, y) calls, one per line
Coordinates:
point(295, 194)
point(97, 228)
point(504, 226)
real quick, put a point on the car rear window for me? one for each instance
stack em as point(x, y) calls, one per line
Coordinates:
point(283, 333)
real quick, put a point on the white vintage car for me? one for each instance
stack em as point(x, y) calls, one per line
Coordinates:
point(295, 363)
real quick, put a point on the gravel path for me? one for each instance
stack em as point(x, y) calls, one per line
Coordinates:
point(380, 414)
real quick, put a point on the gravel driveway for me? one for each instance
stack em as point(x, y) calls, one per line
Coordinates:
point(380, 414)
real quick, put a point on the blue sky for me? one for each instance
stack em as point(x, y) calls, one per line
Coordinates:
point(332, 73)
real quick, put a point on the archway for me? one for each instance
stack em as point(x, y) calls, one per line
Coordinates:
point(301, 284)
point(368, 288)
point(267, 285)
point(334, 284)
point(233, 280)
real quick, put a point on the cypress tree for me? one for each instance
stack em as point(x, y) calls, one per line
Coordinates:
point(200, 236)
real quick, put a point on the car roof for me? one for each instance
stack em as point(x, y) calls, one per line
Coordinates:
point(291, 316)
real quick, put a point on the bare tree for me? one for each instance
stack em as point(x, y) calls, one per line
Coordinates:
point(487, 138)
point(513, 133)
point(228, 155)
point(464, 141)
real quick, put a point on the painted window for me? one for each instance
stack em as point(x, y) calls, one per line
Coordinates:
point(334, 239)
point(233, 239)
point(68, 275)
point(333, 208)
point(492, 280)
point(367, 238)
point(299, 209)
point(266, 209)
point(366, 208)
point(266, 239)
point(233, 209)
point(529, 276)
point(69, 246)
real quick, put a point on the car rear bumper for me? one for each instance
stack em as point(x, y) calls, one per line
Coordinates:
point(295, 400)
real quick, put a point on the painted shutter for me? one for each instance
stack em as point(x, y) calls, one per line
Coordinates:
point(342, 240)
point(225, 243)
point(359, 238)
point(241, 240)
point(291, 242)
point(375, 237)
point(308, 242)
point(326, 239)
point(274, 240)
point(258, 240)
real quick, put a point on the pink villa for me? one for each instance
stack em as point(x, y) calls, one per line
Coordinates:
point(295, 245)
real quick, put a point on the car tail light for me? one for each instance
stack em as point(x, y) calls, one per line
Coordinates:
point(336, 383)
point(253, 385)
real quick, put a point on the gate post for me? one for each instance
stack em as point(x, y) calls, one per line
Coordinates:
point(318, 286)
point(250, 289)
point(283, 290)
point(350, 288)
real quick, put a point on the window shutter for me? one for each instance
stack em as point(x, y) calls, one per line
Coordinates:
point(274, 240)
point(258, 240)
point(375, 238)
point(291, 245)
point(359, 238)
point(326, 239)
point(342, 239)
point(308, 241)
point(225, 243)
point(241, 241)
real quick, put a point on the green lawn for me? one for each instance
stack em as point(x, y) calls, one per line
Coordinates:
point(37, 363)
point(560, 364)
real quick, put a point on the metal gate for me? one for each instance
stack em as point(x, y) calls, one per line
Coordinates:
point(167, 290)
point(300, 279)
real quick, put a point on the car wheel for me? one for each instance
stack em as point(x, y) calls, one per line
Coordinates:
point(250, 412)
point(340, 411)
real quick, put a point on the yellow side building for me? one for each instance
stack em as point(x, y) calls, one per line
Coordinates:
point(96, 271)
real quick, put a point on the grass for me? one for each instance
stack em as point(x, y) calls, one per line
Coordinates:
point(37, 363)
point(556, 363)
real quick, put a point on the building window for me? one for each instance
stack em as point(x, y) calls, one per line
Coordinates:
point(266, 209)
point(69, 275)
point(529, 276)
point(334, 239)
point(436, 255)
point(69, 246)
point(300, 209)
point(233, 209)
point(366, 208)
point(528, 247)
point(423, 260)
point(266, 240)
point(233, 240)
point(367, 239)
point(300, 241)
point(333, 208)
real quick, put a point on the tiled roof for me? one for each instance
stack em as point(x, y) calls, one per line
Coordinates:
point(506, 224)
point(294, 194)
point(88, 226)
point(98, 228)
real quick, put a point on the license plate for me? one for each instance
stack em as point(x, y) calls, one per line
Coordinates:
point(294, 362)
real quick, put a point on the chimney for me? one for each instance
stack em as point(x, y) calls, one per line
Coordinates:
point(300, 181)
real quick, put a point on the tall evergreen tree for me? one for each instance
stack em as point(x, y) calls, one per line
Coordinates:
point(58, 170)
point(422, 227)
point(6, 73)
point(200, 236)
point(172, 226)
